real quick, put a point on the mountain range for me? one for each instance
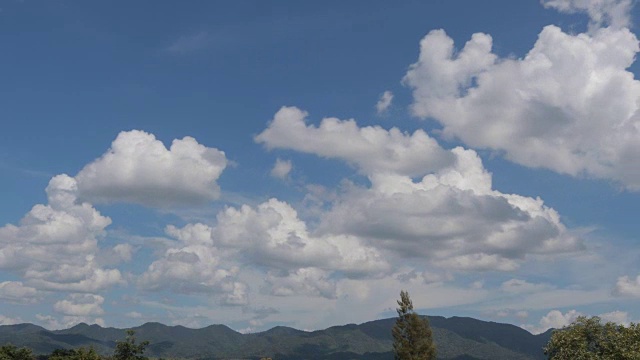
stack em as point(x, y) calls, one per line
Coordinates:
point(458, 338)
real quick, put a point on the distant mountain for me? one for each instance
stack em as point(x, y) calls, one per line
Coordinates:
point(456, 338)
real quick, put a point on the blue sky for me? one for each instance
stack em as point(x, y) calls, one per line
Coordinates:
point(263, 163)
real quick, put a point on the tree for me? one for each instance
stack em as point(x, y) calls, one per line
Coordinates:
point(11, 352)
point(80, 353)
point(128, 349)
point(588, 338)
point(412, 337)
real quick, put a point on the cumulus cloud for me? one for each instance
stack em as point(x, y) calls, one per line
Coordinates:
point(17, 292)
point(80, 305)
point(452, 217)
point(449, 217)
point(628, 286)
point(369, 148)
point(269, 237)
point(54, 246)
point(618, 317)
point(272, 235)
point(384, 102)
point(281, 169)
point(192, 265)
point(553, 320)
point(614, 13)
point(570, 105)
point(138, 168)
point(303, 281)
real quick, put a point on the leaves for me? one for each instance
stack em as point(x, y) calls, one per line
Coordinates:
point(11, 352)
point(588, 338)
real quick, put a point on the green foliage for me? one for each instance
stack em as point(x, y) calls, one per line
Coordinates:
point(75, 354)
point(11, 352)
point(412, 337)
point(129, 350)
point(588, 338)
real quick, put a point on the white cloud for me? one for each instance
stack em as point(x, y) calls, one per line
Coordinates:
point(48, 322)
point(133, 315)
point(237, 295)
point(518, 286)
point(553, 320)
point(138, 168)
point(67, 321)
point(303, 281)
point(117, 254)
point(569, 105)
point(384, 102)
point(194, 265)
point(271, 235)
point(615, 13)
point(628, 286)
point(451, 217)
point(17, 292)
point(522, 314)
point(369, 148)
point(269, 238)
point(281, 169)
point(618, 317)
point(6, 320)
point(54, 246)
point(80, 305)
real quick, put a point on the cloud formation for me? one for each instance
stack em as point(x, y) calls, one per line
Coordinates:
point(628, 286)
point(570, 105)
point(55, 245)
point(80, 305)
point(451, 216)
point(614, 13)
point(384, 102)
point(138, 168)
point(555, 319)
point(370, 149)
point(17, 292)
point(281, 169)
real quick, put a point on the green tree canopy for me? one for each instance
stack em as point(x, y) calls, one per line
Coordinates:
point(80, 353)
point(11, 352)
point(589, 338)
point(128, 349)
point(412, 337)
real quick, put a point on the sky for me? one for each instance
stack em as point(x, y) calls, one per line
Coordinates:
point(255, 163)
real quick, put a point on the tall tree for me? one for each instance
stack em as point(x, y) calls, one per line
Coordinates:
point(128, 349)
point(412, 337)
point(588, 338)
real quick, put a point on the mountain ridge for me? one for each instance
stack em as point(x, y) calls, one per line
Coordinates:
point(455, 337)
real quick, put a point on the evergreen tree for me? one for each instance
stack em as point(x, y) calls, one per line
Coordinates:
point(129, 350)
point(412, 337)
